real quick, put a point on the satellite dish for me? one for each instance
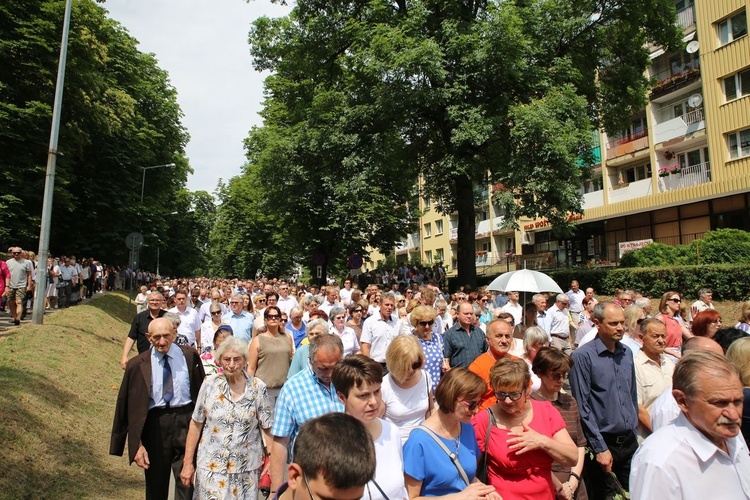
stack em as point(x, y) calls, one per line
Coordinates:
point(693, 47)
point(695, 100)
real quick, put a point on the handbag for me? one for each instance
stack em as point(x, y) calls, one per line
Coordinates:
point(452, 456)
point(482, 468)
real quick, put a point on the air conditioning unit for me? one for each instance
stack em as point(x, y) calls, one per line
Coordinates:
point(527, 238)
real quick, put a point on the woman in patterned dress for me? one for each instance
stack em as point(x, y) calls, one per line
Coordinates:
point(232, 407)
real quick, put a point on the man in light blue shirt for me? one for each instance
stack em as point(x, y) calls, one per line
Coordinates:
point(240, 320)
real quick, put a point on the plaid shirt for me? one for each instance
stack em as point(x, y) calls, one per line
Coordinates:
point(302, 398)
point(462, 347)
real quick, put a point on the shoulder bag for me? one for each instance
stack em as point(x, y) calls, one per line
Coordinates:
point(452, 456)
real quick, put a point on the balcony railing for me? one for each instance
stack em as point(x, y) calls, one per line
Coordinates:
point(626, 144)
point(686, 17)
point(692, 175)
point(668, 84)
point(623, 139)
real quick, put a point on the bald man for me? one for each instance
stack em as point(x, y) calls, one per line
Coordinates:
point(154, 406)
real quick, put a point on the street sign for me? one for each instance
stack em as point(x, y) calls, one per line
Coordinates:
point(320, 272)
point(355, 261)
point(134, 241)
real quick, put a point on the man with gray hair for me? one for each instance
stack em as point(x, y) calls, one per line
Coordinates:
point(559, 328)
point(705, 440)
point(240, 320)
point(645, 304)
point(307, 395)
point(704, 302)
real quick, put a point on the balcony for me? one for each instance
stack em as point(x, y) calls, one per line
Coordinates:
point(690, 122)
point(412, 242)
point(686, 17)
point(668, 82)
point(593, 199)
point(486, 227)
point(637, 189)
point(628, 143)
point(692, 175)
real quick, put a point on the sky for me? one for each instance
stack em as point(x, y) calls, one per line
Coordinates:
point(202, 44)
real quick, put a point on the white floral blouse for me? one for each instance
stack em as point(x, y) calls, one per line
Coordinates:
point(231, 441)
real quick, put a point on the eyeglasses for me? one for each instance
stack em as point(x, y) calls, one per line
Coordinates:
point(676, 301)
point(417, 364)
point(358, 310)
point(483, 300)
point(470, 405)
point(426, 323)
point(235, 302)
point(261, 301)
point(514, 396)
point(717, 322)
point(556, 376)
point(16, 253)
point(214, 313)
point(273, 316)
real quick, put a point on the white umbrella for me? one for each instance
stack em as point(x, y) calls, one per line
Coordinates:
point(524, 280)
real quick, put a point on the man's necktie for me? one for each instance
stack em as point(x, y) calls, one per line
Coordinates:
point(167, 387)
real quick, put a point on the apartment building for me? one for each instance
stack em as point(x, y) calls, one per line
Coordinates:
point(681, 168)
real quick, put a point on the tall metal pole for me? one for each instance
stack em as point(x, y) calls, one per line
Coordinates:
point(41, 271)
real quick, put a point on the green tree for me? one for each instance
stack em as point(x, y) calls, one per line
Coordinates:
point(464, 90)
point(119, 113)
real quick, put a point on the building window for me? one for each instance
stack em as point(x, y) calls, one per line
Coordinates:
point(426, 204)
point(428, 230)
point(732, 28)
point(637, 173)
point(428, 256)
point(737, 85)
point(739, 143)
point(485, 214)
point(439, 255)
point(438, 227)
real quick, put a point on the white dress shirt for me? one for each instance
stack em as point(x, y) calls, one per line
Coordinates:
point(678, 462)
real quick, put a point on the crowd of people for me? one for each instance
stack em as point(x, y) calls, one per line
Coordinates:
point(467, 395)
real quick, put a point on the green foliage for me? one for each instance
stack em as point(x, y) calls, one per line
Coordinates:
point(722, 246)
point(452, 91)
point(728, 282)
point(119, 113)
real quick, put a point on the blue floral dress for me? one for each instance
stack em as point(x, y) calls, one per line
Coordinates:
point(230, 452)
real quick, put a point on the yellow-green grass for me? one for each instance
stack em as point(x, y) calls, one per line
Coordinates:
point(58, 387)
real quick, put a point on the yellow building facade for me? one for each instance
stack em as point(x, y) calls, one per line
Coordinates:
point(680, 169)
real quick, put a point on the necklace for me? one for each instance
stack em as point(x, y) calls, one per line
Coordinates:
point(457, 439)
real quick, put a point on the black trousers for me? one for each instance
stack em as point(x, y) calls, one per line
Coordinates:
point(164, 435)
point(601, 485)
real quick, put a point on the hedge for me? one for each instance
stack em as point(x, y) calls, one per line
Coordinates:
point(726, 281)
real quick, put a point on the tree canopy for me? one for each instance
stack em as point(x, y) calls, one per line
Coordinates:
point(367, 95)
point(119, 113)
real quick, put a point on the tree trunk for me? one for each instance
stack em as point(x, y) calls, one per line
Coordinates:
point(467, 271)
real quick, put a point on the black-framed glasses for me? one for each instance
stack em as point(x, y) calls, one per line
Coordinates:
point(357, 310)
point(676, 301)
point(273, 316)
point(214, 313)
point(426, 323)
point(261, 301)
point(16, 253)
point(514, 396)
point(557, 375)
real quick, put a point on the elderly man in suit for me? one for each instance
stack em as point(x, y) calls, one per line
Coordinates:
point(154, 406)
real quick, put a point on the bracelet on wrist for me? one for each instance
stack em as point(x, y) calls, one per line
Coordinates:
point(573, 474)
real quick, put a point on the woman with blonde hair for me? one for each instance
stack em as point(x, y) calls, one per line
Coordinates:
point(422, 319)
point(633, 317)
point(407, 388)
point(743, 323)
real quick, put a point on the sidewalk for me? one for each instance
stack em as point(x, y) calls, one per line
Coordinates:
point(6, 323)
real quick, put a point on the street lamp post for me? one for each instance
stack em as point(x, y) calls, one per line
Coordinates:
point(143, 183)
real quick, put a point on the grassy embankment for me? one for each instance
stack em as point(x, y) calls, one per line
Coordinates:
point(58, 387)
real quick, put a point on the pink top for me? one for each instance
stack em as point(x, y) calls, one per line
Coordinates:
point(528, 476)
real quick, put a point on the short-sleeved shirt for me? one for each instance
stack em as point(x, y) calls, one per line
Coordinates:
point(406, 407)
point(462, 347)
point(433, 357)
point(482, 366)
point(19, 272)
point(242, 324)
point(522, 476)
point(139, 329)
point(379, 333)
point(302, 398)
point(425, 461)
point(189, 324)
point(652, 379)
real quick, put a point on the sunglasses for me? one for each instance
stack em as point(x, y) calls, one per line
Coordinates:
point(261, 301)
point(214, 313)
point(470, 405)
point(426, 323)
point(273, 316)
point(416, 365)
point(358, 310)
point(676, 301)
point(557, 376)
point(514, 396)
